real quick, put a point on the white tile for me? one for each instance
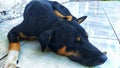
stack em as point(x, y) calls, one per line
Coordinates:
point(96, 24)
point(112, 47)
point(32, 57)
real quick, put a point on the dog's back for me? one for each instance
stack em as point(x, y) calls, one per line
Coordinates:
point(38, 14)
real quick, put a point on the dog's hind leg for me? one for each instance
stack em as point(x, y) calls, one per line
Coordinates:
point(14, 48)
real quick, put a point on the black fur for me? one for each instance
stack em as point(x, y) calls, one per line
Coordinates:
point(40, 21)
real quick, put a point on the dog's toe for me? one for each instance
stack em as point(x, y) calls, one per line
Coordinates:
point(8, 65)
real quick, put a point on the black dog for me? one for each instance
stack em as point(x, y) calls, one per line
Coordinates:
point(54, 26)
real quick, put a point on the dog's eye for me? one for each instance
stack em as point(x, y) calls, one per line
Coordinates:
point(78, 39)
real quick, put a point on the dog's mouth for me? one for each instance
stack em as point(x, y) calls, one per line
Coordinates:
point(90, 62)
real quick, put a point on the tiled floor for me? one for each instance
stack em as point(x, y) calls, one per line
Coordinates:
point(102, 25)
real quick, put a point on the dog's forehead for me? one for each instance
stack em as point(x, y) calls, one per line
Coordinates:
point(81, 33)
point(73, 29)
point(78, 27)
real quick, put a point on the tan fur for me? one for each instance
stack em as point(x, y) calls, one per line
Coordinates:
point(69, 18)
point(22, 35)
point(63, 51)
point(58, 14)
point(78, 39)
point(14, 46)
point(32, 38)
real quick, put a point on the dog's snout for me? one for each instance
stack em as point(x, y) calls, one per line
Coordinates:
point(97, 61)
point(101, 59)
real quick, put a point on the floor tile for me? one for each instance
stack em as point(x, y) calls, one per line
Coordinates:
point(4, 29)
point(113, 5)
point(115, 24)
point(32, 57)
point(97, 24)
point(112, 47)
point(3, 48)
point(113, 16)
point(101, 24)
point(72, 5)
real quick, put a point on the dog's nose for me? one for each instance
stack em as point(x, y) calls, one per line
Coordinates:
point(101, 59)
point(98, 61)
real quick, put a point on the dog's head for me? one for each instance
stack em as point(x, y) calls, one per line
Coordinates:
point(70, 39)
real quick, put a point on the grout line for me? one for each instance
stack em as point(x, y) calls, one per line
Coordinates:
point(111, 25)
point(3, 57)
point(103, 38)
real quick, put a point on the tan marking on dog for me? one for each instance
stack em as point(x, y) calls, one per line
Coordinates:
point(69, 18)
point(32, 38)
point(58, 14)
point(78, 39)
point(63, 51)
point(71, 53)
point(14, 46)
point(22, 35)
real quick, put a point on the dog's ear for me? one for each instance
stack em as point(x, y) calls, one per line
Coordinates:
point(44, 39)
point(81, 19)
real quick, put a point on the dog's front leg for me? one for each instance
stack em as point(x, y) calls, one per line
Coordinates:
point(14, 48)
point(12, 55)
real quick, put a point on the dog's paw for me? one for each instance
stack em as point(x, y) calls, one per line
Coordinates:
point(11, 60)
point(8, 65)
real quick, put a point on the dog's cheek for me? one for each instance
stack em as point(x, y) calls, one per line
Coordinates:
point(62, 51)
